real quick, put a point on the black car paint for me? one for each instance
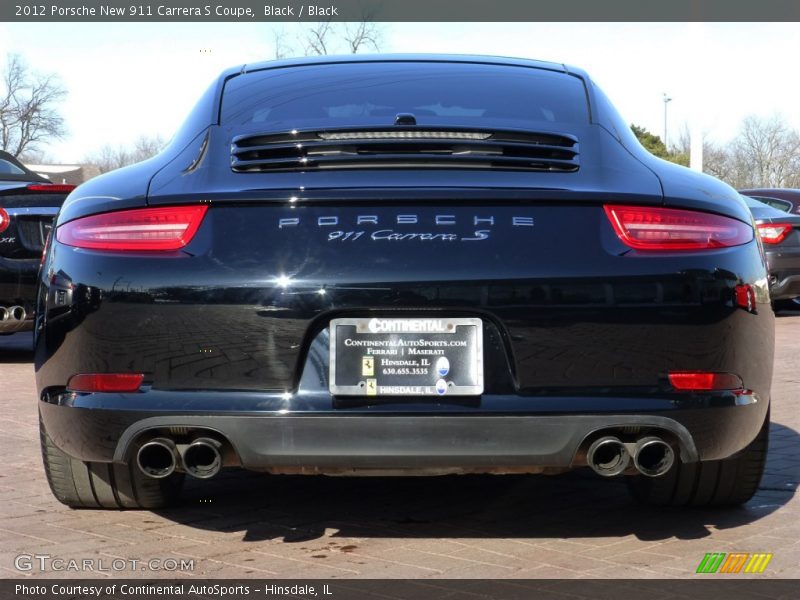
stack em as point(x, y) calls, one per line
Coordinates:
point(581, 330)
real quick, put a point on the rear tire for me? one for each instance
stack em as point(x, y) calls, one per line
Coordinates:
point(728, 482)
point(81, 484)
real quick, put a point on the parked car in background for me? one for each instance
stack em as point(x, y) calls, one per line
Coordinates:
point(780, 234)
point(418, 265)
point(28, 204)
point(787, 200)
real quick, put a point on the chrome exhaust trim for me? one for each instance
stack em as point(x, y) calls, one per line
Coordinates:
point(607, 456)
point(157, 458)
point(653, 456)
point(202, 458)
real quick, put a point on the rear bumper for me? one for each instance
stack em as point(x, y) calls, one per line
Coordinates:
point(784, 273)
point(786, 288)
point(553, 432)
point(18, 281)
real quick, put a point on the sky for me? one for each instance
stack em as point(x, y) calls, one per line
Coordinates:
point(127, 80)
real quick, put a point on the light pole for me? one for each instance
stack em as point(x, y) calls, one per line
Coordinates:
point(667, 100)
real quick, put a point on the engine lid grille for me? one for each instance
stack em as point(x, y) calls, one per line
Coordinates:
point(434, 148)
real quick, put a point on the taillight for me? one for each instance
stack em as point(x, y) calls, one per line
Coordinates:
point(651, 228)
point(774, 233)
point(51, 188)
point(704, 381)
point(169, 228)
point(105, 382)
point(5, 220)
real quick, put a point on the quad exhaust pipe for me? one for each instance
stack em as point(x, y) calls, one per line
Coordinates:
point(12, 318)
point(157, 458)
point(202, 458)
point(609, 456)
point(12, 313)
point(160, 458)
point(653, 456)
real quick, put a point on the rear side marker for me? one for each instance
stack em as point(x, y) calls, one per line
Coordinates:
point(668, 229)
point(105, 382)
point(697, 381)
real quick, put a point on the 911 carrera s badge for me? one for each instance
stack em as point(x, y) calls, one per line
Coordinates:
point(419, 227)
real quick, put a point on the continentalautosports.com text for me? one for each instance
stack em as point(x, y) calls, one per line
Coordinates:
point(47, 562)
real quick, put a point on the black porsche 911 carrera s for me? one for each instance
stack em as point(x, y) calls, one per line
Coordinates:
point(408, 264)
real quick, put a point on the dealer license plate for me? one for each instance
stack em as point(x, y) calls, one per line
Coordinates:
point(406, 357)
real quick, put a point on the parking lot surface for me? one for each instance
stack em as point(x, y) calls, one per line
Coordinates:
point(250, 525)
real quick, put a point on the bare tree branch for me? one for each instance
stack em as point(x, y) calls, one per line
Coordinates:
point(364, 34)
point(318, 38)
point(282, 47)
point(28, 113)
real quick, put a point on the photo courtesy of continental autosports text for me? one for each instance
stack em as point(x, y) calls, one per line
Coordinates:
point(399, 300)
point(137, 590)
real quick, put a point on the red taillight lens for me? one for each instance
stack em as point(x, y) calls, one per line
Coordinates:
point(105, 382)
point(51, 188)
point(5, 220)
point(704, 381)
point(169, 228)
point(650, 228)
point(774, 233)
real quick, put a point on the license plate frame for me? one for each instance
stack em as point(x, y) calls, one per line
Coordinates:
point(459, 340)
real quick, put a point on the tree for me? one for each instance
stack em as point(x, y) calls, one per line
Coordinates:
point(716, 158)
point(326, 37)
point(29, 114)
point(765, 153)
point(655, 146)
point(107, 158)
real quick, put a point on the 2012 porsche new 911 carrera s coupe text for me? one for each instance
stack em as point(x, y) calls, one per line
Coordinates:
point(411, 265)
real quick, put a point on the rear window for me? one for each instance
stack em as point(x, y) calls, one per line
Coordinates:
point(355, 94)
point(9, 168)
point(783, 205)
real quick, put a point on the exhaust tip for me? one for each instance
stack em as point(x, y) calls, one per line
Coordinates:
point(4, 315)
point(608, 456)
point(202, 458)
point(156, 458)
point(17, 313)
point(653, 456)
